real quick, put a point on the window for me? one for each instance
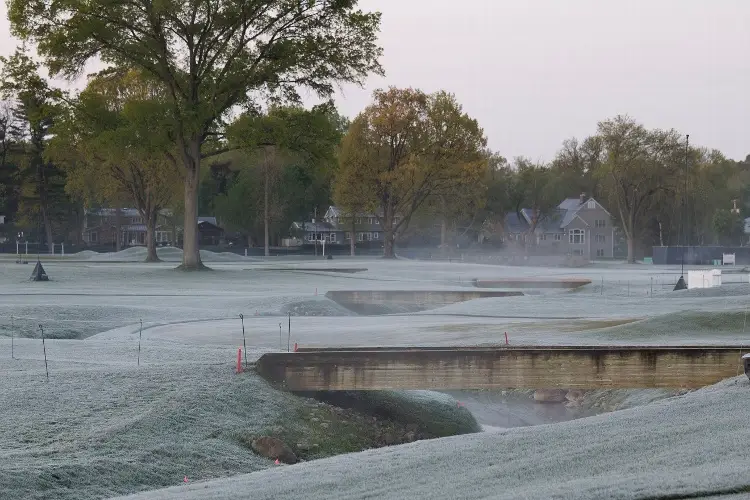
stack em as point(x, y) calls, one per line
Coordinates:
point(369, 220)
point(591, 204)
point(333, 237)
point(542, 237)
point(577, 236)
point(359, 220)
point(360, 236)
point(600, 252)
point(578, 252)
point(375, 235)
point(93, 237)
point(600, 238)
point(310, 236)
point(348, 236)
point(558, 237)
point(377, 221)
point(600, 223)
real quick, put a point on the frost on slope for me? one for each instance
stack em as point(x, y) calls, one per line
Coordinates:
point(682, 447)
point(92, 433)
point(192, 328)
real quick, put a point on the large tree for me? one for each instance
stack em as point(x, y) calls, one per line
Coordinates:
point(211, 55)
point(35, 106)
point(114, 147)
point(535, 188)
point(281, 137)
point(639, 164)
point(407, 147)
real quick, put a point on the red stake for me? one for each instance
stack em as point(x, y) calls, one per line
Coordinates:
point(506, 338)
point(295, 347)
point(239, 360)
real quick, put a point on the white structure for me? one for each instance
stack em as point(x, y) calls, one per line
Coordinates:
point(704, 279)
point(728, 258)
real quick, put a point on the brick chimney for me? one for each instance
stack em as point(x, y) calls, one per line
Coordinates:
point(582, 198)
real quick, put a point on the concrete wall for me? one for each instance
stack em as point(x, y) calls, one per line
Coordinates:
point(501, 368)
point(532, 283)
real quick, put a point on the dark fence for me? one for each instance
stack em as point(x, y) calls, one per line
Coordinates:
point(698, 255)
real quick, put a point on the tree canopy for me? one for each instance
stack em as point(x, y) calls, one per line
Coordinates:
point(113, 143)
point(405, 148)
point(210, 55)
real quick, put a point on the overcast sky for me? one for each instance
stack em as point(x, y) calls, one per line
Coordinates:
point(535, 72)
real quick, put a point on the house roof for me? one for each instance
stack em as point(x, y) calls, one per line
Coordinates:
point(124, 212)
point(572, 206)
point(210, 220)
point(311, 227)
point(554, 222)
point(334, 211)
point(515, 223)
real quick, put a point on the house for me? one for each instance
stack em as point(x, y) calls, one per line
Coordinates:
point(579, 227)
point(100, 227)
point(336, 228)
point(209, 231)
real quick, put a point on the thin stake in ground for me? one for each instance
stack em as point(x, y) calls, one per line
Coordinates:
point(12, 338)
point(289, 337)
point(244, 344)
point(140, 334)
point(44, 348)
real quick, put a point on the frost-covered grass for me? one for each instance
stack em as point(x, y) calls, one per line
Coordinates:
point(104, 426)
point(685, 447)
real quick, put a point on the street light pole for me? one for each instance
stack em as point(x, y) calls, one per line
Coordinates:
point(681, 285)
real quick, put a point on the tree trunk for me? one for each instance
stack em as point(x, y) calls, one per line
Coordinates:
point(267, 158)
point(389, 233)
point(118, 225)
point(44, 207)
point(353, 238)
point(388, 248)
point(47, 228)
point(151, 237)
point(443, 233)
point(631, 249)
point(661, 235)
point(191, 258)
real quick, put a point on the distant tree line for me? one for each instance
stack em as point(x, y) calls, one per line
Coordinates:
point(199, 110)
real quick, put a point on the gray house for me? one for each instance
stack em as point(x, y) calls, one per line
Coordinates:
point(336, 228)
point(578, 227)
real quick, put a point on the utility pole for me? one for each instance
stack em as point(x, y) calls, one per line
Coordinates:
point(681, 285)
point(315, 230)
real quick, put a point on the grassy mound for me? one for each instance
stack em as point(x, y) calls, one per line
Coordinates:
point(435, 414)
point(706, 325)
